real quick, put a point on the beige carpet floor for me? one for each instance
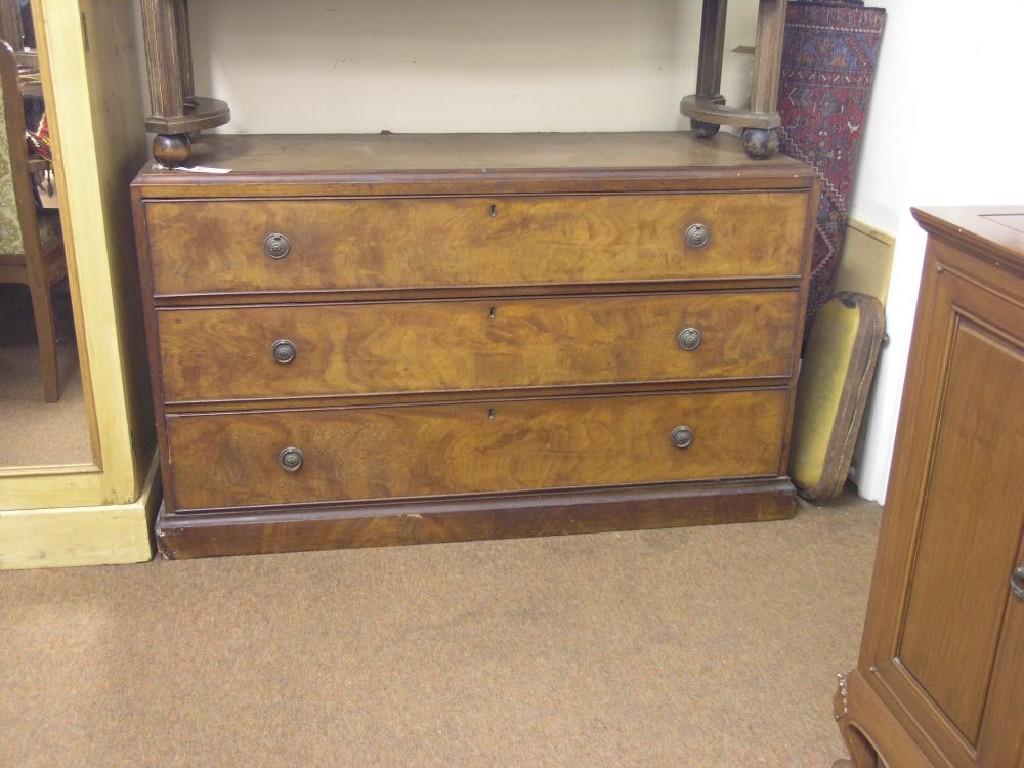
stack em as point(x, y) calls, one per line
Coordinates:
point(34, 432)
point(707, 647)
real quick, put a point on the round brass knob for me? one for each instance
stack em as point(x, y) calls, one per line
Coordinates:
point(1017, 583)
point(682, 437)
point(276, 245)
point(283, 351)
point(689, 339)
point(697, 235)
point(291, 459)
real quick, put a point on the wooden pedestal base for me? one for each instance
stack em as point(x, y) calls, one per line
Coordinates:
point(707, 109)
point(172, 145)
point(555, 513)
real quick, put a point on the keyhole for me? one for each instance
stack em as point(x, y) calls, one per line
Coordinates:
point(494, 211)
point(492, 312)
point(491, 414)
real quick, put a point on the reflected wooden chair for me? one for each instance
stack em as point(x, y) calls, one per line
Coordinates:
point(31, 248)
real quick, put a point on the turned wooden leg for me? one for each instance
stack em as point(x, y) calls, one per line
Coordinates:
point(862, 754)
point(762, 143)
point(169, 64)
point(46, 332)
point(709, 61)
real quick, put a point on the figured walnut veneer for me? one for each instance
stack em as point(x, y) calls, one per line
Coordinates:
point(399, 339)
point(440, 346)
point(402, 243)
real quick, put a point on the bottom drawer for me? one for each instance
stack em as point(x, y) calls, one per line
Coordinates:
point(367, 453)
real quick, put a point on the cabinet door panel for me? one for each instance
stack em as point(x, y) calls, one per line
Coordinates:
point(949, 632)
point(970, 530)
point(1002, 733)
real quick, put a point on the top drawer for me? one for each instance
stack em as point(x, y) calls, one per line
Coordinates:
point(226, 246)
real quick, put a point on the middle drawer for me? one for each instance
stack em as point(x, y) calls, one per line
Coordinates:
point(254, 352)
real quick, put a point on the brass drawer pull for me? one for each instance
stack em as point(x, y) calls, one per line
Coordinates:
point(291, 459)
point(276, 245)
point(697, 235)
point(689, 339)
point(682, 437)
point(283, 351)
point(1017, 583)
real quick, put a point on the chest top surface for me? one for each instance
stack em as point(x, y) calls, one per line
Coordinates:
point(474, 160)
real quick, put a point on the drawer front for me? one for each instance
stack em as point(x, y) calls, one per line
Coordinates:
point(338, 349)
point(229, 460)
point(198, 247)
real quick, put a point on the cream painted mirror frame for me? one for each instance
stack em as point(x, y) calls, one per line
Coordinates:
point(98, 513)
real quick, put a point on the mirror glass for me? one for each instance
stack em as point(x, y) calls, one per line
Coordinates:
point(44, 420)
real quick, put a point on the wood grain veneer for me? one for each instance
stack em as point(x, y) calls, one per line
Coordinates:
point(446, 450)
point(485, 331)
point(508, 516)
point(399, 243)
point(438, 346)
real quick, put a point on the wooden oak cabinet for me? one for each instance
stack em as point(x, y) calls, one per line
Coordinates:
point(940, 679)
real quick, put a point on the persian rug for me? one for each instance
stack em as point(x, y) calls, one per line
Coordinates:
point(829, 58)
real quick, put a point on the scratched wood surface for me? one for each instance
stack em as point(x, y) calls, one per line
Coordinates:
point(269, 154)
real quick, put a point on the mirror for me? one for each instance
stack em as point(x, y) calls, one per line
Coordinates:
point(43, 410)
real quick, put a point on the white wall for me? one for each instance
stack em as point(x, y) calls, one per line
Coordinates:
point(313, 66)
point(942, 130)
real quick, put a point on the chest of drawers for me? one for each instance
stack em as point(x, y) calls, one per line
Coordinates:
point(374, 340)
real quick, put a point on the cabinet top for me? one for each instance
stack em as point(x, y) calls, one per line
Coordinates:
point(997, 232)
point(475, 160)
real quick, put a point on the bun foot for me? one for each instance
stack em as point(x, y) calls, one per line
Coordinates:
point(172, 150)
point(704, 130)
point(760, 143)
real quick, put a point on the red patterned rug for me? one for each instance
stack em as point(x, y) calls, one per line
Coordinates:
point(829, 57)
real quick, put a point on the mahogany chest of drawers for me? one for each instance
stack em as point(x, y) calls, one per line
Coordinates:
point(369, 340)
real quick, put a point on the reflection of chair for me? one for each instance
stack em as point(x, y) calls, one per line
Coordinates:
point(31, 249)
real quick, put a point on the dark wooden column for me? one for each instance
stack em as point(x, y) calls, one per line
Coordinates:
point(177, 112)
point(709, 63)
point(764, 92)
